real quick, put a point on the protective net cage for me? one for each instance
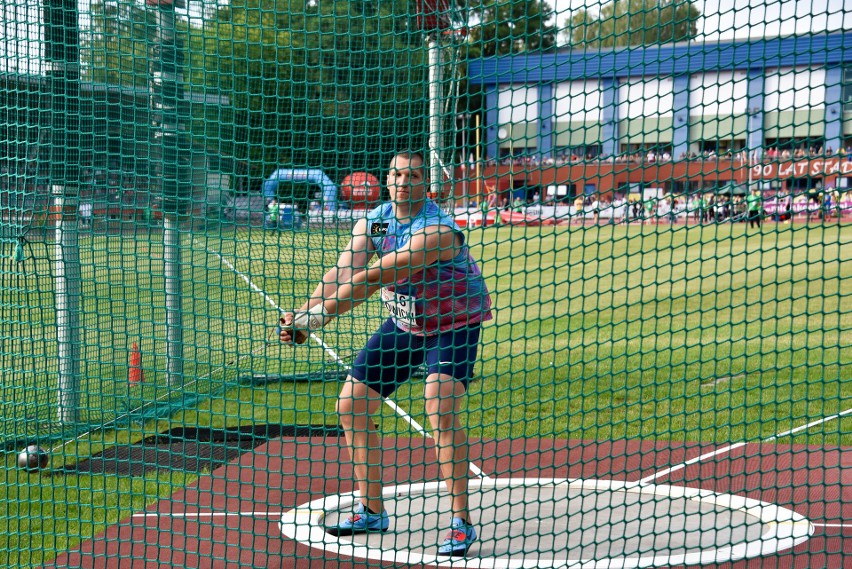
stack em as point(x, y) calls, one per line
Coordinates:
point(585, 265)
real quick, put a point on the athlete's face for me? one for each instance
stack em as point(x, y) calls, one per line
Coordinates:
point(406, 180)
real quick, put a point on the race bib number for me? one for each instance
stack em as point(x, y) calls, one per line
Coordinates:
point(401, 306)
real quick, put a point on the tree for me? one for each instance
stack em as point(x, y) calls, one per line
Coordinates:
point(634, 22)
point(329, 85)
point(115, 45)
point(511, 27)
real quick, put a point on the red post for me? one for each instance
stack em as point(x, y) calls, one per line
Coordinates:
point(134, 372)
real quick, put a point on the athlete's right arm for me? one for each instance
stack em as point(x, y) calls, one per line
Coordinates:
point(354, 259)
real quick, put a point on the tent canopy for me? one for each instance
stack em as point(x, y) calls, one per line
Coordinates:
point(318, 177)
point(731, 189)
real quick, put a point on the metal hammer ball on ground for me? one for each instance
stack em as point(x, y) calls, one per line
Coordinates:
point(33, 458)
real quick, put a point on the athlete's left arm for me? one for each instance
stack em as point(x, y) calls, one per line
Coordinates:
point(426, 247)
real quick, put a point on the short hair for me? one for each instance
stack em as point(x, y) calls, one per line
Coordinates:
point(412, 155)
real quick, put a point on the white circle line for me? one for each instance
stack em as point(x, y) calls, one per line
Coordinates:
point(785, 528)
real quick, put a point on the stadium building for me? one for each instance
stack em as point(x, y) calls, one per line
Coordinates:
point(694, 115)
point(112, 150)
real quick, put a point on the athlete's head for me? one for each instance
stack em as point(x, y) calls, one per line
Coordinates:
point(407, 177)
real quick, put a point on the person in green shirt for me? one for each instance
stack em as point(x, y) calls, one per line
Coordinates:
point(837, 207)
point(500, 207)
point(650, 210)
point(753, 208)
point(148, 216)
point(483, 207)
point(274, 214)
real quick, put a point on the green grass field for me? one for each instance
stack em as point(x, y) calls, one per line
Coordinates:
point(710, 333)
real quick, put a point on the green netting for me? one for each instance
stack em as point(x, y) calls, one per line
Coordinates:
point(657, 196)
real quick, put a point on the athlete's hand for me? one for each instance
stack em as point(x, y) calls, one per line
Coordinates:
point(286, 333)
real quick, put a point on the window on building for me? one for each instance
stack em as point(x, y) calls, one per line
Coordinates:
point(647, 152)
point(561, 193)
point(658, 148)
point(708, 146)
point(518, 152)
point(684, 187)
point(721, 146)
point(588, 152)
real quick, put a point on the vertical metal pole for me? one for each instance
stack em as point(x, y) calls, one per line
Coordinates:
point(479, 195)
point(62, 54)
point(174, 302)
point(68, 292)
point(435, 174)
point(166, 93)
point(463, 160)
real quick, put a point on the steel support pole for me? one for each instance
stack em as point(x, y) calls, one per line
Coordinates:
point(436, 176)
point(170, 143)
point(62, 55)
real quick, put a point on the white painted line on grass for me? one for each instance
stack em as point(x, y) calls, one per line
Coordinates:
point(723, 379)
point(729, 448)
point(268, 298)
point(809, 425)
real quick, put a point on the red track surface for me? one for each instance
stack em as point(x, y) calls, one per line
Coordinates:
point(815, 482)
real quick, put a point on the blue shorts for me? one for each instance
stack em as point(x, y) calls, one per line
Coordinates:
point(392, 355)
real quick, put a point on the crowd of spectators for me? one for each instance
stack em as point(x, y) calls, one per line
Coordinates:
point(703, 206)
point(654, 156)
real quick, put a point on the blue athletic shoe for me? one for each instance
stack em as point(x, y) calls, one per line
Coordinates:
point(458, 541)
point(361, 521)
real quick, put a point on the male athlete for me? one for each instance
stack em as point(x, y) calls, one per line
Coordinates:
point(436, 301)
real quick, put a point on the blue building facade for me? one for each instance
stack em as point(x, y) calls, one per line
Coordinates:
point(683, 99)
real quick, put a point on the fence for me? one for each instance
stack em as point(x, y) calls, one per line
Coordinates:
point(659, 368)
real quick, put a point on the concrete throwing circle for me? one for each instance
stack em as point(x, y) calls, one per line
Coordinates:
point(552, 523)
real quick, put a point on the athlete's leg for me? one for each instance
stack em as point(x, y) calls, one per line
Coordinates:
point(356, 406)
point(450, 358)
point(384, 363)
point(443, 400)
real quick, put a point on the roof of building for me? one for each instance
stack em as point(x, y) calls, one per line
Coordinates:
point(22, 82)
point(665, 59)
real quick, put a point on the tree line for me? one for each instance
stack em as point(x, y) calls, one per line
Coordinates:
point(341, 85)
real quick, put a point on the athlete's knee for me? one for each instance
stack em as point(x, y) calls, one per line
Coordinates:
point(355, 400)
point(442, 421)
point(442, 397)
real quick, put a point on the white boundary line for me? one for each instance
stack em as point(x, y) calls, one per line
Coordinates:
point(729, 448)
point(408, 418)
point(266, 297)
point(199, 515)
